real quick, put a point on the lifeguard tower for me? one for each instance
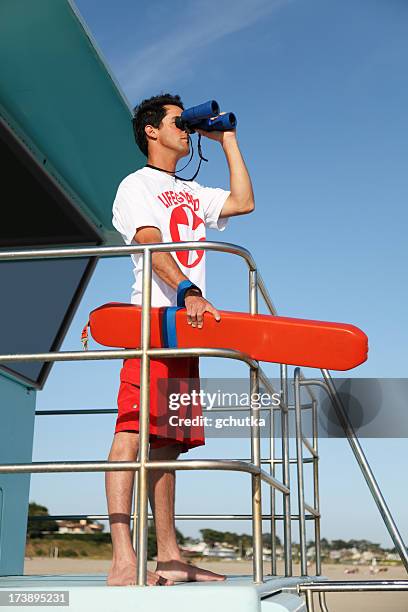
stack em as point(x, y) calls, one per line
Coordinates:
point(62, 115)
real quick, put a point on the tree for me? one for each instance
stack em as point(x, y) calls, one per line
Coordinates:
point(339, 544)
point(211, 536)
point(152, 542)
point(241, 541)
point(266, 539)
point(36, 528)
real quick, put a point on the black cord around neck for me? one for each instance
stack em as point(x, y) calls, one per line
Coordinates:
point(200, 153)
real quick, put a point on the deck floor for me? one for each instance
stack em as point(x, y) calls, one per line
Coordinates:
point(88, 591)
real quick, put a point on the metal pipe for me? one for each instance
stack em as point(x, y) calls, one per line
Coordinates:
point(219, 464)
point(265, 294)
point(309, 446)
point(301, 491)
point(272, 495)
point(311, 510)
point(267, 384)
point(277, 460)
point(179, 517)
point(114, 410)
point(73, 355)
point(316, 498)
point(322, 602)
point(304, 406)
point(115, 466)
point(81, 411)
point(362, 461)
point(308, 389)
point(132, 353)
point(287, 525)
point(67, 466)
point(355, 585)
point(256, 489)
point(294, 461)
point(309, 601)
point(255, 449)
point(142, 466)
point(134, 517)
point(262, 376)
point(142, 481)
point(120, 251)
point(76, 412)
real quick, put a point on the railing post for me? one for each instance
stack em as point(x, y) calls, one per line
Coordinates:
point(299, 461)
point(257, 543)
point(135, 498)
point(316, 496)
point(272, 490)
point(144, 427)
point(309, 601)
point(284, 414)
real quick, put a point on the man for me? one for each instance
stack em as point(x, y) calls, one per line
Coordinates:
point(152, 206)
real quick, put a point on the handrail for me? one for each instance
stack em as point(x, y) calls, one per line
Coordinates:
point(120, 251)
point(143, 464)
point(128, 353)
point(252, 466)
point(122, 466)
point(346, 586)
point(181, 517)
point(362, 461)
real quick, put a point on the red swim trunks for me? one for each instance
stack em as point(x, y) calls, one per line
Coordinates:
point(169, 378)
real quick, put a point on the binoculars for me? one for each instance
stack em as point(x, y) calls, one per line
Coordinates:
point(206, 117)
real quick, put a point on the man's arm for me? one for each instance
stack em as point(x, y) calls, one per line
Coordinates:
point(241, 199)
point(167, 269)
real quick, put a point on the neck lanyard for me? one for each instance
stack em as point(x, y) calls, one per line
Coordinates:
point(200, 153)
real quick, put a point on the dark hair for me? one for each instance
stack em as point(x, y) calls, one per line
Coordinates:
point(151, 112)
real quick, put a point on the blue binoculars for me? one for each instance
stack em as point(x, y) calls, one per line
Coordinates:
point(206, 117)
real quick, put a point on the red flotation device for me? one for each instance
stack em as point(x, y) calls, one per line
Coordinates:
point(300, 342)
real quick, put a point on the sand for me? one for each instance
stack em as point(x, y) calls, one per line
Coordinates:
point(339, 602)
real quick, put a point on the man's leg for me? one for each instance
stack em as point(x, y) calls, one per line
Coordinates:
point(119, 488)
point(162, 502)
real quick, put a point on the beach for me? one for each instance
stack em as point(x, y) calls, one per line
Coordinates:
point(339, 602)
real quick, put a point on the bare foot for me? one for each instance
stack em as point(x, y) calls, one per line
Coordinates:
point(178, 571)
point(125, 575)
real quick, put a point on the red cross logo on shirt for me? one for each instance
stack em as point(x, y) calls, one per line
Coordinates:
point(183, 215)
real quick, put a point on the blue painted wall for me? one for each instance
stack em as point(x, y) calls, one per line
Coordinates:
point(17, 414)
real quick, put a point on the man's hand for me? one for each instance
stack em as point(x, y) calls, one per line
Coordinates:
point(196, 306)
point(221, 137)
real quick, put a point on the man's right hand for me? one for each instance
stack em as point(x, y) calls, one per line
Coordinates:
point(196, 306)
point(167, 269)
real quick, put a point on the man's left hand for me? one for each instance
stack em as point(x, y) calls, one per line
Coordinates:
point(221, 137)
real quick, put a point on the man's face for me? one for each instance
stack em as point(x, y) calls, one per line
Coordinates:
point(170, 136)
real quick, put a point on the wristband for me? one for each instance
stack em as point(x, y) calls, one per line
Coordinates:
point(182, 289)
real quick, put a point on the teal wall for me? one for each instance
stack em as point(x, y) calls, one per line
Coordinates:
point(59, 97)
point(17, 414)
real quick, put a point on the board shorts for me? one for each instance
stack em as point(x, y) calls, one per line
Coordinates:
point(171, 421)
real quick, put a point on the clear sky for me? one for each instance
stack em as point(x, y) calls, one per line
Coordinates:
point(320, 92)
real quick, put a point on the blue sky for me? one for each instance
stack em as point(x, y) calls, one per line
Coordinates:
point(320, 92)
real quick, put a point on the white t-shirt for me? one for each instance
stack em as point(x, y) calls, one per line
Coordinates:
point(181, 210)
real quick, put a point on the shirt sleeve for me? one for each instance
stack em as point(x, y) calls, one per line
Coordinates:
point(132, 209)
point(213, 200)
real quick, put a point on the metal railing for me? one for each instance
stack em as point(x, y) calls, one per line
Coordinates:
point(334, 586)
point(347, 586)
point(143, 465)
point(252, 466)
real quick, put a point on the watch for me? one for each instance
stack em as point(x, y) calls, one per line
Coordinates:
point(184, 287)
